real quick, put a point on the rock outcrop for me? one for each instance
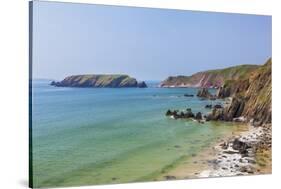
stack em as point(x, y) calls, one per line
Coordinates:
point(209, 79)
point(99, 81)
point(251, 97)
point(205, 94)
point(180, 114)
point(142, 84)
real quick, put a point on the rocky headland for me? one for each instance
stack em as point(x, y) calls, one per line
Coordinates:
point(210, 78)
point(247, 99)
point(99, 81)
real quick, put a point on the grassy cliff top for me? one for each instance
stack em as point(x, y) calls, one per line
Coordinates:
point(209, 78)
point(98, 80)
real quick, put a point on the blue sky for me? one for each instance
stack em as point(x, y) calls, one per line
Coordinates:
point(145, 43)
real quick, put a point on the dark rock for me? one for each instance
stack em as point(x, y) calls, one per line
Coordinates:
point(188, 95)
point(240, 146)
point(235, 109)
point(53, 83)
point(204, 93)
point(224, 145)
point(169, 177)
point(218, 106)
point(198, 116)
point(208, 106)
point(216, 114)
point(247, 169)
point(182, 114)
point(141, 84)
point(169, 113)
point(229, 152)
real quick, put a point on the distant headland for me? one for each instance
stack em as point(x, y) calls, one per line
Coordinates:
point(210, 78)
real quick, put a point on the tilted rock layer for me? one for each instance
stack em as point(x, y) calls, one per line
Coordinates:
point(251, 96)
point(211, 78)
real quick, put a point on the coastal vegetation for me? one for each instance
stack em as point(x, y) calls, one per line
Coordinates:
point(210, 78)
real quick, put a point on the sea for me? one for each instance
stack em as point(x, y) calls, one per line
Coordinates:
point(87, 136)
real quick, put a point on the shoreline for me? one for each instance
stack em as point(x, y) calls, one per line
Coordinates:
point(245, 152)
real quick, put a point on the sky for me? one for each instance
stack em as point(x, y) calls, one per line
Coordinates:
point(145, 43)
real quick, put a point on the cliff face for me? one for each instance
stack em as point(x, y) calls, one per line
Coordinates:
point(211, 78)
point(251, 96)
point(99, 81)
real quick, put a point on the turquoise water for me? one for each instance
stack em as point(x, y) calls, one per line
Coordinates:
point(85, 136)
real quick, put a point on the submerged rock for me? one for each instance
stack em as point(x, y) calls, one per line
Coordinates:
point(209, 106)
point(188, 95)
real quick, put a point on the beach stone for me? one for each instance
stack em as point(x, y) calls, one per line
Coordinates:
point(247, 169)
point(169, 177)
point(240, 146)
point(229, 152)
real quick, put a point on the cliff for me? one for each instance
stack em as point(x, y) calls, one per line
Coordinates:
point(210, 78)
point(99, 81)
point(251, 97)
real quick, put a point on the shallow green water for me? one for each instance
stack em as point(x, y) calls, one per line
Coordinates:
point(100, 136)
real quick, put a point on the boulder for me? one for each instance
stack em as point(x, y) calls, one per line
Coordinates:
point(198, 116)
point(240, 146)
point(209, 106)
point(216, 114)
point(168, 113)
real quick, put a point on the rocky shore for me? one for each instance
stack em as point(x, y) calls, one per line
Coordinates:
point(246, 154)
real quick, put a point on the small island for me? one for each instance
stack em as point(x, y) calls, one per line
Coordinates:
point(100, 81)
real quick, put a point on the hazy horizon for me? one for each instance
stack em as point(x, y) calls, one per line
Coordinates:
point(144, 43)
